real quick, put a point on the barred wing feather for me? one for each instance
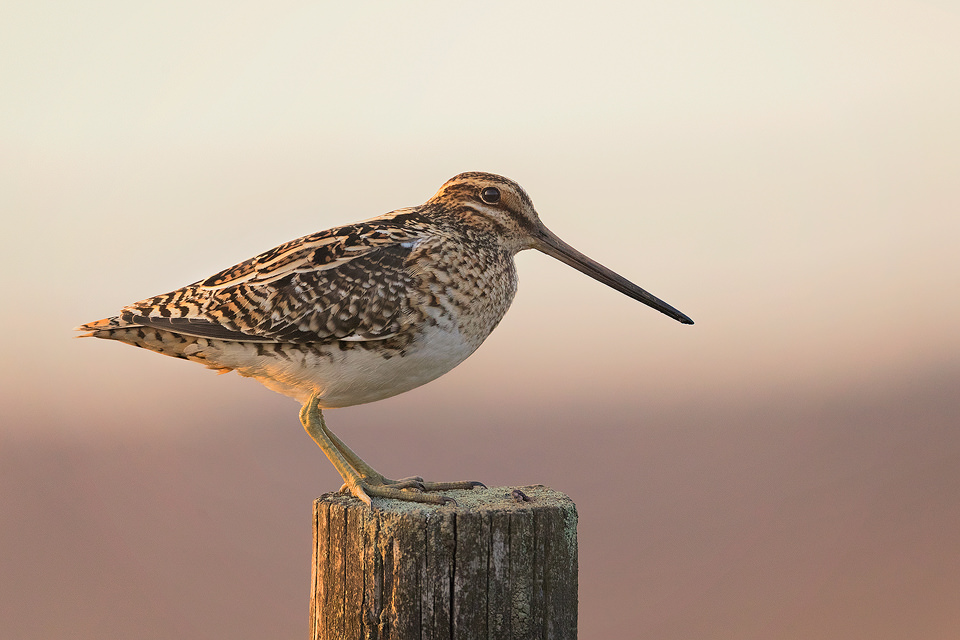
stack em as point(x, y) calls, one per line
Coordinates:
point(335, 285)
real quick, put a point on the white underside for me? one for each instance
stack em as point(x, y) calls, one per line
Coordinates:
point(344, 378)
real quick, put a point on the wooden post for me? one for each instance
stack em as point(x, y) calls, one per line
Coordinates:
point(494, 567)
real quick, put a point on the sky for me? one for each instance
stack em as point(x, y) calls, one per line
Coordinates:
point(785, 173)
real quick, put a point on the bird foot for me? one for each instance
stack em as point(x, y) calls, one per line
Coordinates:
point(416, 482)
point(412, 489)
point(362, 480)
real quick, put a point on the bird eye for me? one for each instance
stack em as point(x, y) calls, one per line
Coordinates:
point(490, 195)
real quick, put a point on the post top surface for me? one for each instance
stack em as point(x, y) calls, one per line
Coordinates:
point(480, 499)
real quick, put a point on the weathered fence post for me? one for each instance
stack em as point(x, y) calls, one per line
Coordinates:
point(495, 566)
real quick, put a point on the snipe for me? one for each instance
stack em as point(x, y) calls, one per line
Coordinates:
point(365, 311)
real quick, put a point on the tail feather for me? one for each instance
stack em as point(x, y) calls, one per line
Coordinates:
point(166, 342)
point(96, 328)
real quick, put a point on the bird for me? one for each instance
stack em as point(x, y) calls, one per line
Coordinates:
point(365, 311)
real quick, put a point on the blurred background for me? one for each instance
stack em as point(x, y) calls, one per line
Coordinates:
point(786, 173)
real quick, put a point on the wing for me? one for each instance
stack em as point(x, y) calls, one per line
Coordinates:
point(351, 283)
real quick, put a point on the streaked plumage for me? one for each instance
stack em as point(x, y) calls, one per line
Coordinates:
point(365, 311)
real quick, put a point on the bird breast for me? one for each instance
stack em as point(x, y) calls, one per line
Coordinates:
point(469, 286)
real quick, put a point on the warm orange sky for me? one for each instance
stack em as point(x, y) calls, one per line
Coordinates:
point(783, 172)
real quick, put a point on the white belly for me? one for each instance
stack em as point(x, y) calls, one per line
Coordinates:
point(357, 374)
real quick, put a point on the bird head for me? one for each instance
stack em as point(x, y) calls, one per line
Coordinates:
point(502, 205)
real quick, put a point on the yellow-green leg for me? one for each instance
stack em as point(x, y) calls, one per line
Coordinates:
point(361, 479)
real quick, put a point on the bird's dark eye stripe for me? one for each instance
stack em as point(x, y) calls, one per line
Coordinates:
point(490, 195)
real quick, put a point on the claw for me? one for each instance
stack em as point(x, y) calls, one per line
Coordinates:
point(359, 493)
